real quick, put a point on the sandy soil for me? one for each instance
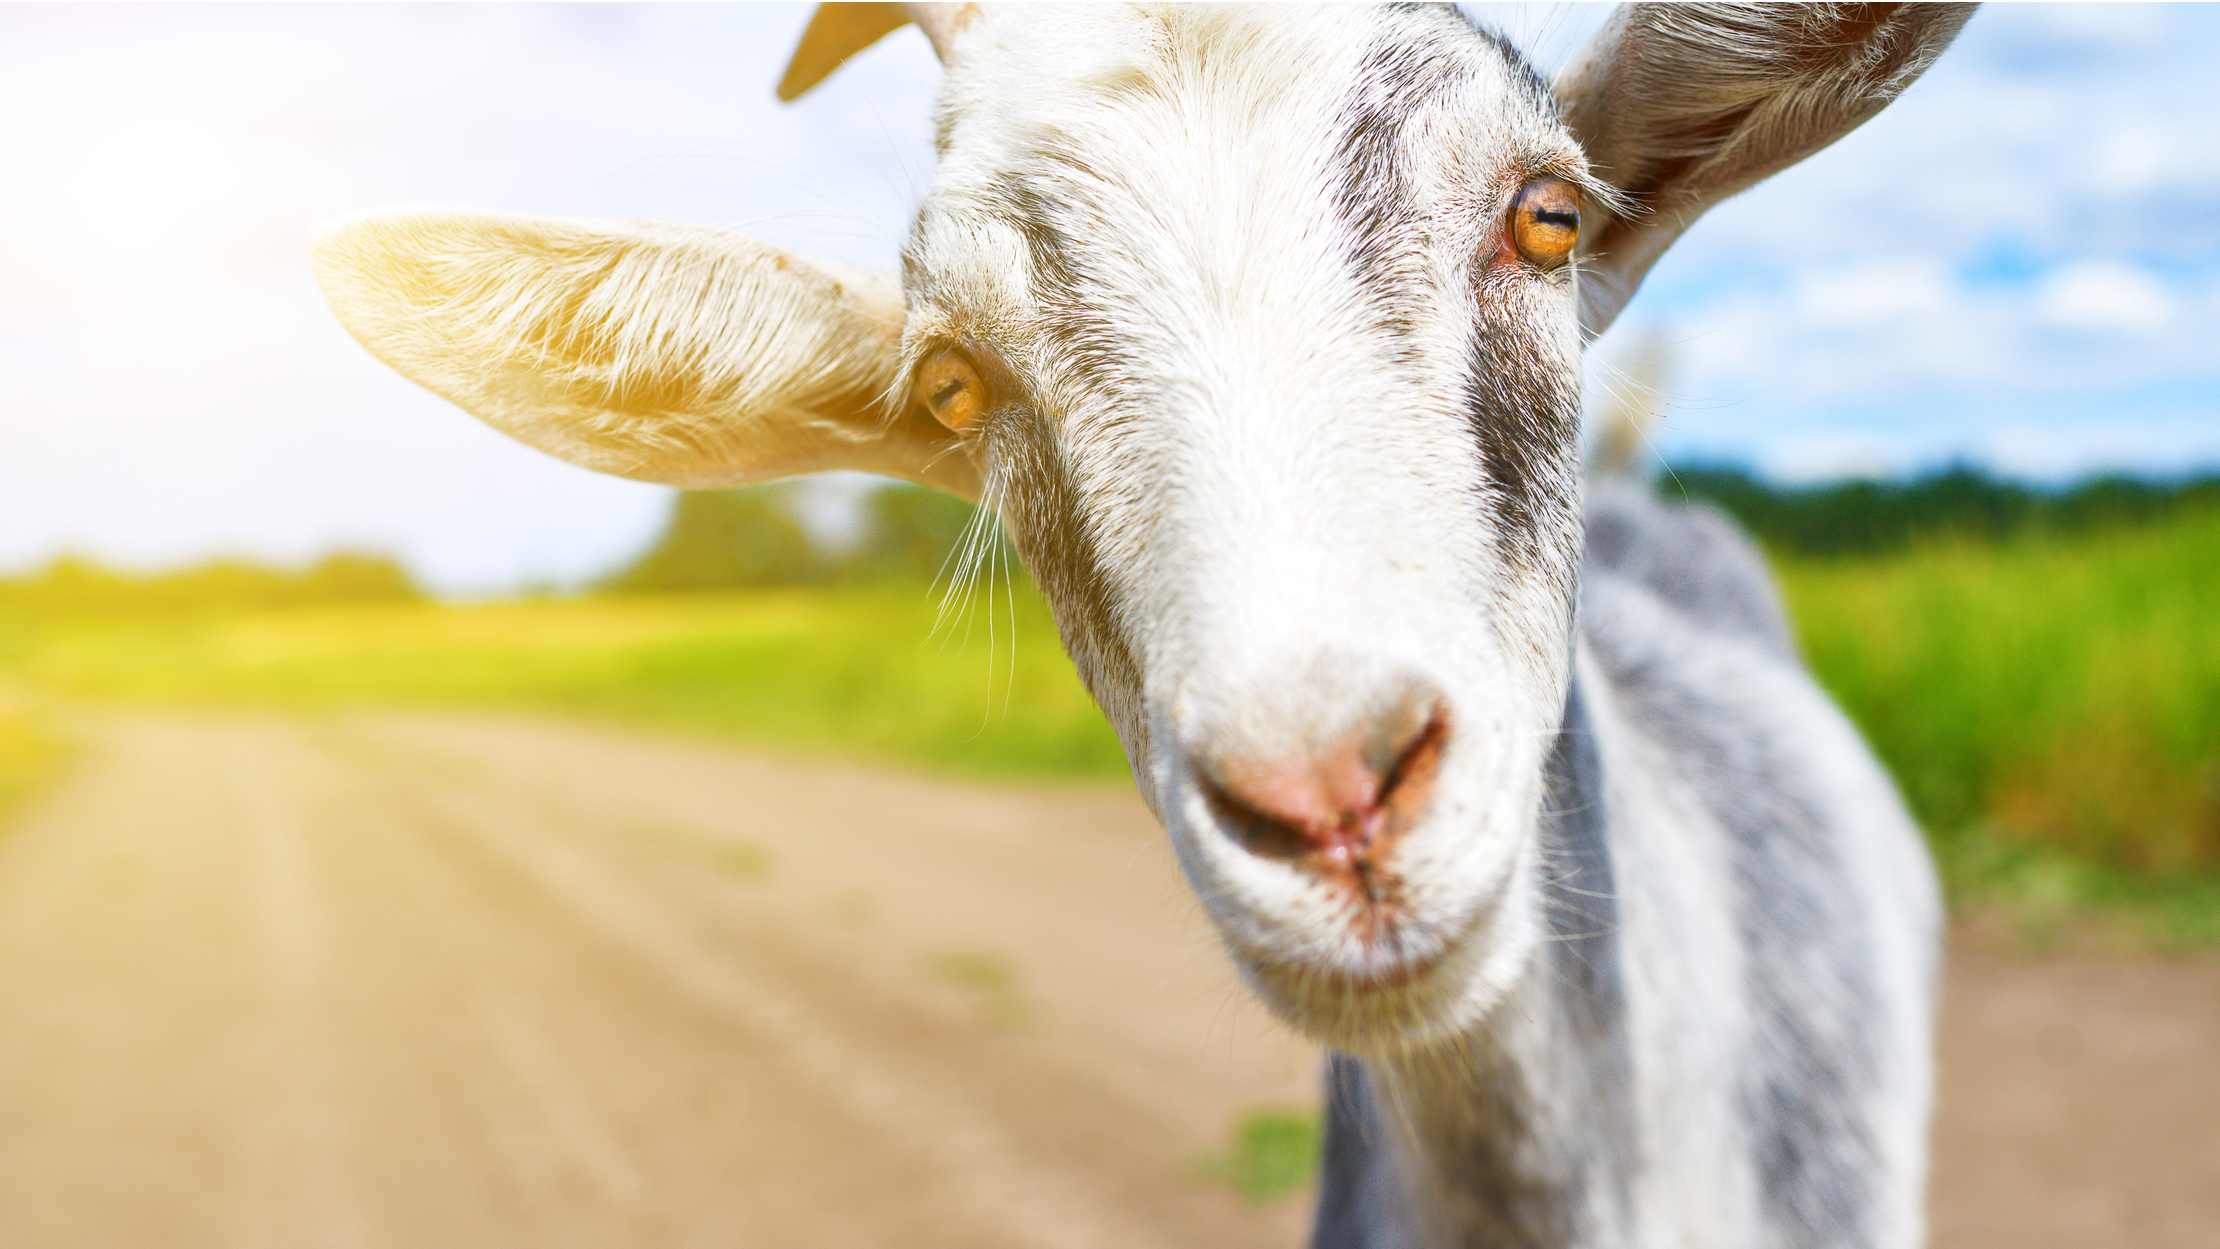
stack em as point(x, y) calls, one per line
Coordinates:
point(478, 981)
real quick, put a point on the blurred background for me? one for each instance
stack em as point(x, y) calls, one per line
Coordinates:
point(1956, 373)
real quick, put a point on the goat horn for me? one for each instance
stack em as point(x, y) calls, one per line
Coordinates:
point(839, 31)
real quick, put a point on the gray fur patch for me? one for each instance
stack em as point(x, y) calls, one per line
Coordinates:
point(1523, 72)
point(1523, 426)
point(1581, 898)
point(1691, 557)
point(1373, 195)
point(1066, 562)
point(1362, 1202)
point(1525, 435)
point(1808, 1086)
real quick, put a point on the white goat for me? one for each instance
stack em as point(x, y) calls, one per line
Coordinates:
point(1261, 329)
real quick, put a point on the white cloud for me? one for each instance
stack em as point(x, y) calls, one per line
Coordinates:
point(2131, 27)
point(2070, 439)
point(2038, 216)
point(2118, 443)
point(2104, 295)
point(1888, 289)
point(2134, 157)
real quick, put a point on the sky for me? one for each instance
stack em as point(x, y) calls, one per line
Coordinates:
point(2017, 265)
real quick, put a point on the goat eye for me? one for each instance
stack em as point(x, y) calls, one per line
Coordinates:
point(1545, 222)
point(951, 389)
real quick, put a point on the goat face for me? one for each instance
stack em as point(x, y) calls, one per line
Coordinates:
point(1261, 332)
point(1284, 422)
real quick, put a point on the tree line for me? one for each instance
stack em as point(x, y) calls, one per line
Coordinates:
point(1866, 516)
point(755, 537)
point(73, 585)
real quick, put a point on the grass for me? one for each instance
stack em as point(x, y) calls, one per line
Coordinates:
point(2051, 708)
point(990, 980)
point(2045, 898)
point(1273, 1155)
point(858, 671)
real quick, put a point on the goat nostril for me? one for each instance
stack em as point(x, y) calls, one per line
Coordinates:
point(1409, 782)
point(1391, 736)
point(1342, 810)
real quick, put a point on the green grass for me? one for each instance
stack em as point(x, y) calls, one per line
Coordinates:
point(857, 671)
point(2044, 897)
point(2051, 708)
point(1273, 1155)
point(2069, 692)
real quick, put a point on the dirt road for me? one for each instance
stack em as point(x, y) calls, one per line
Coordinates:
point(473, 981)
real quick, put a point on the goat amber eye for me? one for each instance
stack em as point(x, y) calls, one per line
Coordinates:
point(951, 389)
point(1545, 222)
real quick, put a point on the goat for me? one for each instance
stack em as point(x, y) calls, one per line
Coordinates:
point(1261, 331)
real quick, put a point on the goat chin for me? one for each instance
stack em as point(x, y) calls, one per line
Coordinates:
point(1419, 1004)
point(1398, 985)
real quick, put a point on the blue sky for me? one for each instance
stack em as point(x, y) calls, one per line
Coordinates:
point(2017, 265)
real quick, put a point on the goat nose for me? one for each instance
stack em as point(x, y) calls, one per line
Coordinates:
point(1342, 808)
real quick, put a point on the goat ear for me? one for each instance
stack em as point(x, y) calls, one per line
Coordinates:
point(676, 354)
point(1682, 105)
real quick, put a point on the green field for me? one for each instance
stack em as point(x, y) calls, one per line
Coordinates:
point(862, 671)
point(2051, 704)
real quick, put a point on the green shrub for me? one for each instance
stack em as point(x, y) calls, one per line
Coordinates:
point(719, 539)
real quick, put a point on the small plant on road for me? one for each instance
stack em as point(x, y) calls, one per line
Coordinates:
point(991, 980)
point(1274, 1155)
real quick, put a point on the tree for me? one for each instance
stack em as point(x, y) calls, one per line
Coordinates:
point(718, 539)
point(727, 539)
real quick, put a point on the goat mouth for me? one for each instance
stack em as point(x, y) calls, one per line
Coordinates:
point(1397, 953)
point(1409, 975)
point(1344, 984)
point(1357, 1008)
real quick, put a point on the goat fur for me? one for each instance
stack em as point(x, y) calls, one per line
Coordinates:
point(1286, 430)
